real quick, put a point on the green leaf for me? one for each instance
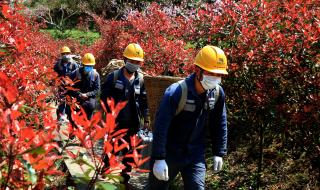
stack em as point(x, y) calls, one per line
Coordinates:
point(115, 177)
point(38, 150)
point(31, 172)
point(106, 186)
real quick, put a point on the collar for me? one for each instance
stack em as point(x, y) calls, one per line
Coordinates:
point(190, 83)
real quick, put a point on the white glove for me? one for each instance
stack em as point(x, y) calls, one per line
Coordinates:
point(160, 170)
point(145, 135)
point(217, 163)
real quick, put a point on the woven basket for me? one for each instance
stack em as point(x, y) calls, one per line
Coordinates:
point(155, 87)
point(113, 64)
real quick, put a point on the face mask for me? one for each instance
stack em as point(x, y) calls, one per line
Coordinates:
point(131, 67)
point(210, 82)
point(66, 58)
point(87, 69)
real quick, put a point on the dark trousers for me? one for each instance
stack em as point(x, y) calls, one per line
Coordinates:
point(89, 106)
point(132, 131)
point(193, 175)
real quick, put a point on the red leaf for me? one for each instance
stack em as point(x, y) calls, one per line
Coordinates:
point(135, 141)
point(27, 133)
point(100, 132)
point(119, 132)
point(72, 155)
point(107, 147)
point(117, 148)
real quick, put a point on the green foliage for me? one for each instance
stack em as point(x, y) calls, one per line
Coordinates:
point(85, 38)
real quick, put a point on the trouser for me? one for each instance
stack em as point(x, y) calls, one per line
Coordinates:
point(62, 109)
point(193, 175)
point(123, 152)
point(89, 107)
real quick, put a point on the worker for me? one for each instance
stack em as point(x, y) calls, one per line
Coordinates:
point(63, 67)
point(179, 129)
point(127, 84)
point(87, 84)
point(65, 64)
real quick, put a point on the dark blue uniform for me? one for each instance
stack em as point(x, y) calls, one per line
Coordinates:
point(88, 84)
point(63, 70)
point(130, 116)
point(131, 91)
point(180, 139)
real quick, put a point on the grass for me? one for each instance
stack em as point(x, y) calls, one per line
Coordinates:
point(84, 37)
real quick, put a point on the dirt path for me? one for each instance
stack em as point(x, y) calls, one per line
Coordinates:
point(137, 180)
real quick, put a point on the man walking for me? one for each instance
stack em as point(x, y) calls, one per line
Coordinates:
point(126, 84)
point(88, 84)
point(179, 131)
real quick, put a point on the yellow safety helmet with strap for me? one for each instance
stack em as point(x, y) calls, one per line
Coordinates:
point(88, 59)
point(65, 49)
point(134, 51)
point(212, 59)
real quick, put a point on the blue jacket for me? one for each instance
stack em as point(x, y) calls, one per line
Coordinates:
point(65, 70)
point(182, 136)
point(133, 92)
point(88, 84)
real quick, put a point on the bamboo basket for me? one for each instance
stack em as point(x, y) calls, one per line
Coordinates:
point(155, 87)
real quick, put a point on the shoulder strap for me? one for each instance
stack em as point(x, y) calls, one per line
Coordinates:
point(140, 77)
point(116, 75)
point(216, 93)
point(93, 75)
point(183, 98)
point(78, 75)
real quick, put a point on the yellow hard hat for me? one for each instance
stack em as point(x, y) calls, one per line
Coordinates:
point(65, 49)
point(134, 51)
point(88, 59)
point(212, 59)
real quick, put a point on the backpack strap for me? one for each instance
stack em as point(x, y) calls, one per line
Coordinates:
point(140, 77)
point(216, 93)
point(183, 98)
point(116, 75)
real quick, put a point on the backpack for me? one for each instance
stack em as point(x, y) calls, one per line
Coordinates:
point(114, 64)
point(184, 94)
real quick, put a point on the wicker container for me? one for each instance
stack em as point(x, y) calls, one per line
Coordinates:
point(155, 87)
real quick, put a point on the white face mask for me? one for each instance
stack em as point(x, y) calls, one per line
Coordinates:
point(131, 67)
point(210, 82)
point(66, 58)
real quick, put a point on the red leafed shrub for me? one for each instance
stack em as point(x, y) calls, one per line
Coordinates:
point(273, 51)
point(28, 151)
point(26, 140)
point(103, 133)
point(157, 33)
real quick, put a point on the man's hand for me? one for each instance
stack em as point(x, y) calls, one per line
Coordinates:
point(83, 96)
point(160, 170)
point(217, 164)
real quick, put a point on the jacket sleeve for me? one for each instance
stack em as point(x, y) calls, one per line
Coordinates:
point(56, 66)
point(106, 88)
point(164, 116)
point(73, 76)
point(143, 103)
point(218, 126)
point(96, 87)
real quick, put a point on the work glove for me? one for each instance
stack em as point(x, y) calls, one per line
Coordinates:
point(160, 170)
point(145, 135)
point(217, 164)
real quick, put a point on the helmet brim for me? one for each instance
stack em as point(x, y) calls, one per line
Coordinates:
point(218, 71)
point(89, 64)
point(134, 58)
